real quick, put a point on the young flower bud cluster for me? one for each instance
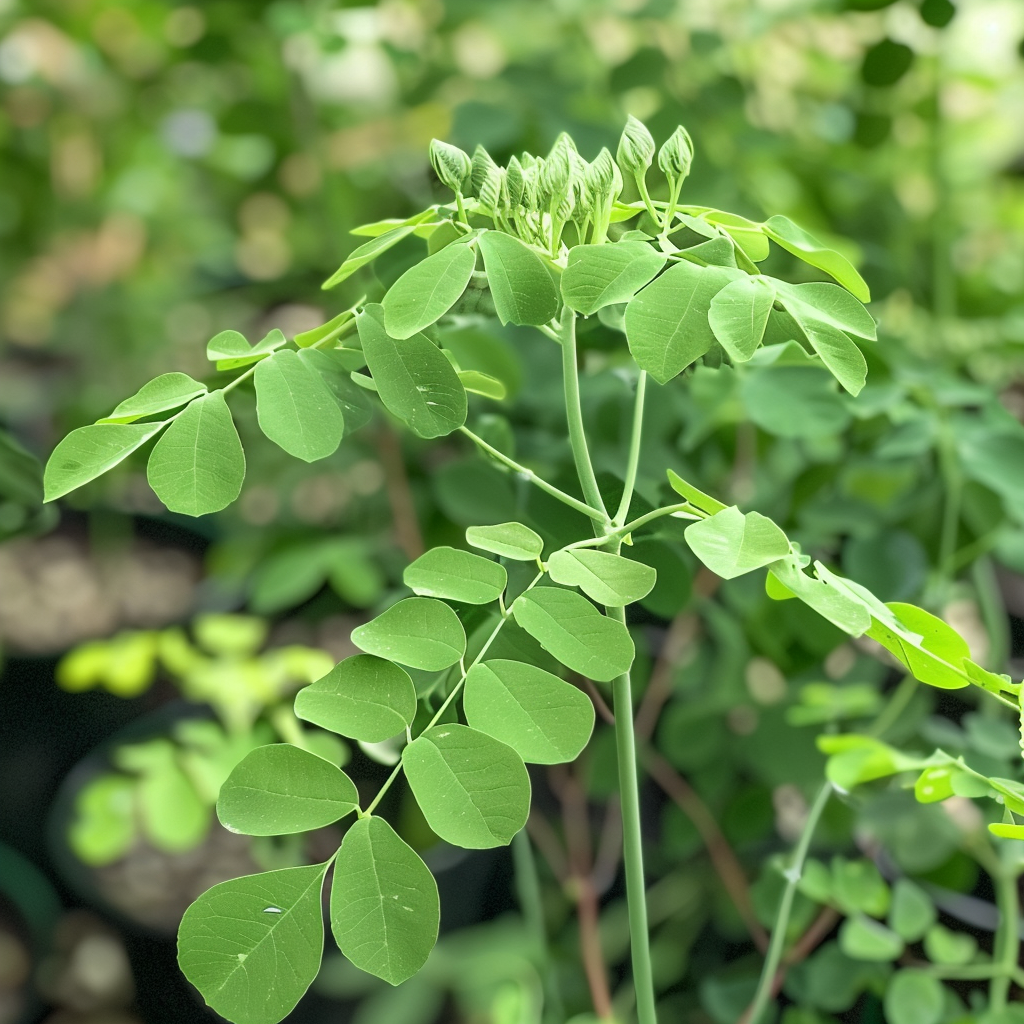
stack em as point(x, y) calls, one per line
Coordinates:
point(535, 197)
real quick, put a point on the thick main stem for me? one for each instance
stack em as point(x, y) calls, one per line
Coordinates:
point(1007, 953)
point(574, 412)
point(632, 841)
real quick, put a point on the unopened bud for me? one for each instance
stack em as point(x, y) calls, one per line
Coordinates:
point(489, 191)
point(557, 170)
point(636, 148)
point(514, 182)
point(603, 177)
point(482, 166)
point(676, 155)
point(450, 164)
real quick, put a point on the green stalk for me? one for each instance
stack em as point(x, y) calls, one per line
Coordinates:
point(574, 413)
point(1007, 951)
point(532, 905)
point(778, 940)
point(634, 450)
point(566, 499)
point(632, 842)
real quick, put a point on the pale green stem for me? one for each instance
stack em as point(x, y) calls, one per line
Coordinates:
point(898, 702)
point(1007, 951)
point(641, 184)
point(781, 926)
point(574, 413)
point(532, 905)
point(622, 531)
point(632, 841)
point(634, 450)
point(566, 499)
point(670, 210)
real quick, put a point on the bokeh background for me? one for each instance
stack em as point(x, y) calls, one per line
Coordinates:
point(168, 171)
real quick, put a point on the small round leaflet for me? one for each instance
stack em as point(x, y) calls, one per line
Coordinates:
point(363, 697)
point(510, 540)
point(457, 576)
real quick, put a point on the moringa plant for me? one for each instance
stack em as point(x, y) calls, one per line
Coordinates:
point(465, 675)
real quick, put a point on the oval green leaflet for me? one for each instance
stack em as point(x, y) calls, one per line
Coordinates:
point(419, 632)
point(473, 790)
point(426, 291)
point(369, 251)
point(596, 276)
point(198, 464)
point(607, 578)
point(89, 452)
point(521, 286)
point(666, 322)
point(280, 789)
point(543, 718)
point(168, 391)
point(570, 628)
point(331, 368)
point(739, 315)
point(364, 697)
point(510, 540)
point(914, 997)
point(806, 247)
point(229, 349)
point(295, 409)
point(456, 575)
point(384, 903)
point(731, 543)
point(413, 378)
point(253, 945)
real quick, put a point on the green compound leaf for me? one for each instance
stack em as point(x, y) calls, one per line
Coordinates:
point(229, 349)
point(426, 291)
point(89, 452)
point(609, 579)
point(694, 496)
point(363, 697)
point(571, 629)
point(739, 314)
point(510, 540)
point(414, 379)
point(419, 632)
point(295, 409)
point(913, 997)
point(667, 324)
point(601, 275)
point(730, 543)
point(863, 938)
point(351, 399)
point(253, 945)
point(280, 789)
point(473, 790)
point(830, 304)
point(168, 391)
point(385, 908)
point(806, 247)
point(543, 718)
point(456, 575)
point(198, 465)
point(830, 597)
point(369, 251)
point(521, 287)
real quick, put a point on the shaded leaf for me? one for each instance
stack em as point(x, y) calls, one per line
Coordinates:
point(739, 314)
point(521, 287)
